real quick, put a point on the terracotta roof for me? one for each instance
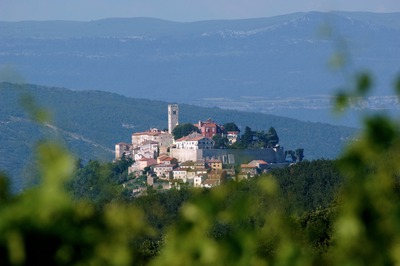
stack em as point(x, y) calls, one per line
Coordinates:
point(187, 163)
point(259, 161)
point(146, 159)
point(213, 161)
point(149, 133)
point(247, 166)
point(146, 133)
point(192, 139)
point(162, 157)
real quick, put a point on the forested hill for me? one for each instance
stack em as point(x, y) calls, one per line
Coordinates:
point(91, 122)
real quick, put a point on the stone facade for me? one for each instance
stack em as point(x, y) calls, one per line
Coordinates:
point(164, 139)
point(183, 155)
point(230, 156)
point(121, 149)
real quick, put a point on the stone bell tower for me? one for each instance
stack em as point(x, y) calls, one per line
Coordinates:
point(173, 117)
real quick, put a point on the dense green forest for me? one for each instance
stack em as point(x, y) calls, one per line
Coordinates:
point(90, 123)
point(306, 191)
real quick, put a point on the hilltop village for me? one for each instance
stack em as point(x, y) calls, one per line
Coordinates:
point(194, 159)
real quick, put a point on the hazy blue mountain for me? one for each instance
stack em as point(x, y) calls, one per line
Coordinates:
point(210, 63)
point(90, 123)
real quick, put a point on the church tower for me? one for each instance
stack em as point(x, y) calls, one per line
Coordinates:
point(173, 117)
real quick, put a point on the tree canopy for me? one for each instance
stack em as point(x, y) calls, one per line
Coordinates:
point(257, 139)
point(183, 130)
point(230, 127)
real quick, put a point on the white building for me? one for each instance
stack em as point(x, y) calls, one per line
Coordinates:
point(180, 174)
point(198, 180)
point(194, 141)
point(232, 136)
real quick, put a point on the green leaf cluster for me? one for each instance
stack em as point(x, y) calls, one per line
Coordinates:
point(45, 226)
point(183, 130)
point(257, 139)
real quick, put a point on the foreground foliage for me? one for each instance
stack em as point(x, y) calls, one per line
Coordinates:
point(282, 220)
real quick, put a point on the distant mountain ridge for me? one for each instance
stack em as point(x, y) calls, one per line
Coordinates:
point(90, 123)
point(125, 27)
point(283, 56)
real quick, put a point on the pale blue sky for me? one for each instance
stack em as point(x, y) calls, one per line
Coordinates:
point(178, 10)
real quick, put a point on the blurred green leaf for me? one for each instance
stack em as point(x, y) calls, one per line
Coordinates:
point(341, 101)
point(380, 132)
point(338, 61)
point(364, 84)
point(397, 85)
point(37, 113)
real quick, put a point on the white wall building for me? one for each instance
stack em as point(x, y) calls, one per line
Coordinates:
point(191, 147)
point(194, 141)
point(197, 181)
point(180, 174)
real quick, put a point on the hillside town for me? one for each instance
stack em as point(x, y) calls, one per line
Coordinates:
point(193, 160)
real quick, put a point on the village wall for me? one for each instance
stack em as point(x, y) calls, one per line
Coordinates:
point(230, 156)
point(183, 155)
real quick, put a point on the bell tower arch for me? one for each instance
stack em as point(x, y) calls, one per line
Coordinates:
point(173, 117)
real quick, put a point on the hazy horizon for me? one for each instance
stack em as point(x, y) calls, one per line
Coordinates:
point(178, 10)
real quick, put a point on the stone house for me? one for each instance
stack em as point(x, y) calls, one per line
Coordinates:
point(163, 138)
point(260, 164)
point(141, 164)
point(180, 174)
point(123, 148)
point(217, 174)
point(209, 128)
point(166, 160)
point(214, 164)
point(164, 171)
point(187, 165)
point(250, 170)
